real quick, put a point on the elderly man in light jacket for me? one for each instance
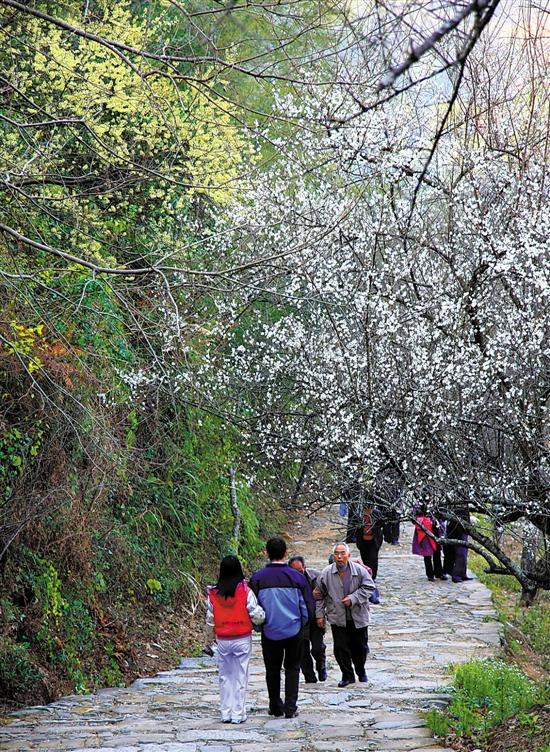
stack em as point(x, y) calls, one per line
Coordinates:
point(343, 590)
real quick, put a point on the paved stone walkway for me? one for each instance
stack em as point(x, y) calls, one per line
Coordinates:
point(419, 628)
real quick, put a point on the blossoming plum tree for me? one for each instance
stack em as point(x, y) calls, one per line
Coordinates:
point(399, 331)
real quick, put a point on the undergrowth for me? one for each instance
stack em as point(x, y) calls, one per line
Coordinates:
point(484, 693)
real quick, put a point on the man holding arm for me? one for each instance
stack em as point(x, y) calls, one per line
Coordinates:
point(286, 598)
point(343, 589)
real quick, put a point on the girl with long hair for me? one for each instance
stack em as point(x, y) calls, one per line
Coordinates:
point(232, 610)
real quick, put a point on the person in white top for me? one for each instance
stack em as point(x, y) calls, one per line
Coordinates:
point(232, 610)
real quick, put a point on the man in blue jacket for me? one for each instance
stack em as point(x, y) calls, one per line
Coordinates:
point(286, 598)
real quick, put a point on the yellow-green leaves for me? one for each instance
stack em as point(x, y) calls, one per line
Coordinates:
point(24, 343)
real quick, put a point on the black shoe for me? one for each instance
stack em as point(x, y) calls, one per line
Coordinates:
point(346, 682)
point(322, 673)
point(443, 577)
point(431, 579)
point(363, 678)
point(276, 713)
point(311, 679)
point(292, 714)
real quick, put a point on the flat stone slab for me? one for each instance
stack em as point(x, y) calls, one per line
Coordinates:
point(400, 723)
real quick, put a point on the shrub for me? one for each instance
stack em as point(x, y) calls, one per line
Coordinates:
point(486, 692)
point(18, 675)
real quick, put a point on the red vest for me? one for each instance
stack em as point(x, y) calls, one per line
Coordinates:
point(231, 617)
point(428, 524)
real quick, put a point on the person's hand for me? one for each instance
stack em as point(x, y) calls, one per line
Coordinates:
point(317, 594)
point(321, 622)
point(346, 600)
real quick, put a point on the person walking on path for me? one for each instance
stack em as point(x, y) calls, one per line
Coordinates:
point(286, 598)
point(232, 609)
point(391, 529)
point(423, 544)
point(344, 588)
point(352, 505)
point(456, 557)
point(313, 646)
point(369, 539)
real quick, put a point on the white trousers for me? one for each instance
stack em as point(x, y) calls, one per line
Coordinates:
point(233, 659)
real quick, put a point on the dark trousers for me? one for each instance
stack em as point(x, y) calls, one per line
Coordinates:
point(433, 564)
point(276, 654)
point(313, 649)
point(350, 649)
point(456, 559)
point(369, 555)
point(391, 532)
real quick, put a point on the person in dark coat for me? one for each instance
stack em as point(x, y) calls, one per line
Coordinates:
point(353, 499)
point(369, 536)
point(388, 491)
point(392, 531)
point(456, 557)
point(313, 646)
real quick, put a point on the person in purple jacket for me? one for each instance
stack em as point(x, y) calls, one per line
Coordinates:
point(423, 544)
point(286, 597)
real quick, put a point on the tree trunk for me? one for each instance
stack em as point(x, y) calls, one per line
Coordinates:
point(235, 510)
point(531, 538)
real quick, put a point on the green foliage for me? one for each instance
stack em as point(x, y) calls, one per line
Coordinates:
point(496, 686)
point(120, 179)
point(485, 693)
point(534, 622)
point(150, 545)
point(179, 521)
point(19, 676)
point(111, 673)
point(250, 542)
point(19, 446)
point(437, 722)
point(49, 589)
point(153, 586)
point(499, 585)
point(529, 721)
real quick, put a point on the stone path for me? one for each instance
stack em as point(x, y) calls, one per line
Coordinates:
point(419, 628)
